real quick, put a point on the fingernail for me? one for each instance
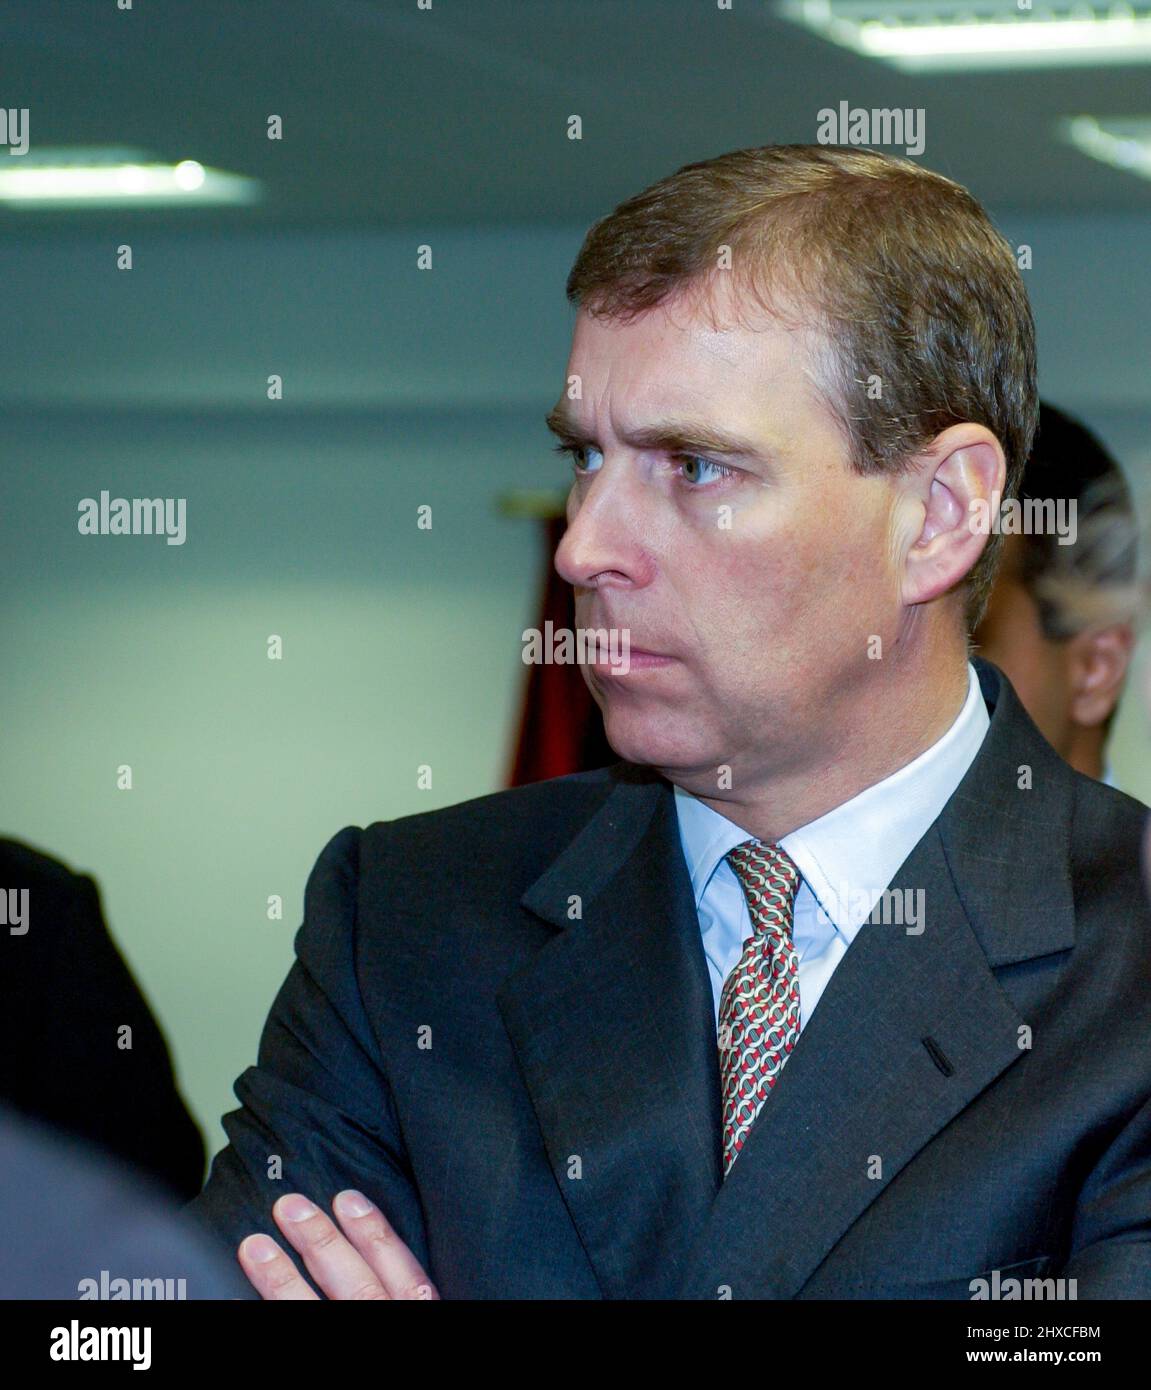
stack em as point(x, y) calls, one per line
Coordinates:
point(296, 1208)
point(260, 1248)
point(352, 1203)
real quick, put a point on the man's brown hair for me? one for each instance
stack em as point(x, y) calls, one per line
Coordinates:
point(909, 283)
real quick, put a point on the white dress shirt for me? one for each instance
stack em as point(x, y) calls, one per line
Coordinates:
point(846, 857)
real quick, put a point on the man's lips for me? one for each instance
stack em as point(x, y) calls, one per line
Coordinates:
point(631, 659)
point(632, 656)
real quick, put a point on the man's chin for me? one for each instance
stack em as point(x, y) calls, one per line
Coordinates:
point(658, 748)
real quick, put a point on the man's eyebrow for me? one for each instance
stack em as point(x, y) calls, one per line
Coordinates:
point(672, 436)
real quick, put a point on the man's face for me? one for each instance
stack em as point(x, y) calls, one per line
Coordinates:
point(759, 577)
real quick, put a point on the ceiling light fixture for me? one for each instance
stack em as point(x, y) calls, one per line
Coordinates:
point(85, 178)
point(1124, 142)
point(933, 35)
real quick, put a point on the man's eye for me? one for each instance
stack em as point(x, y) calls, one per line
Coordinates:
point(583, 456)
point(696, 470)
point(700, 471)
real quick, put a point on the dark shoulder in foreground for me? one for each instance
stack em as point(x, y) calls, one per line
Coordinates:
point(24, 866)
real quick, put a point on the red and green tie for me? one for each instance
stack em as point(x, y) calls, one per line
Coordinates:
point(759, 1006)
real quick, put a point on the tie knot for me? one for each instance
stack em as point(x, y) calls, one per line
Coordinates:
point(769, 879)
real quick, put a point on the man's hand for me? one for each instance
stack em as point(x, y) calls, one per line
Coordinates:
point(363, 1261)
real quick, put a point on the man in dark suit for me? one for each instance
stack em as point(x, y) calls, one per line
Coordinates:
point(837, 985)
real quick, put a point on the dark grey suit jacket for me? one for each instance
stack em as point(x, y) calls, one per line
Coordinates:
point(534, 1099)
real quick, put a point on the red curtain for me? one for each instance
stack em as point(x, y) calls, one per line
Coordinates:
point(561, 730)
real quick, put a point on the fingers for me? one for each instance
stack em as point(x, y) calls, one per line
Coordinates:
point(337, 1267)
point(393, 1264)
point(365, 1260)
point(270, 1272)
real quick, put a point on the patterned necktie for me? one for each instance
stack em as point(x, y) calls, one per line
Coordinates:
point(759, 1006)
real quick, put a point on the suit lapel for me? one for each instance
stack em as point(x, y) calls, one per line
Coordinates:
point(613, 1026)
point(910, 1029)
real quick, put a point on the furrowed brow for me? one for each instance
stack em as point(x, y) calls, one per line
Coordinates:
point(671, 436)
point(691, 436)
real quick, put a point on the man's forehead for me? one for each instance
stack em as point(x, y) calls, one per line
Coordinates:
point(697, 346)
point(685, 326)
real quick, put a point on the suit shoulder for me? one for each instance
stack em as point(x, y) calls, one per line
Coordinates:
point(558, 800)
point(489, 847)
point(498, 836)
point(1107, 864)
point(1106, 821)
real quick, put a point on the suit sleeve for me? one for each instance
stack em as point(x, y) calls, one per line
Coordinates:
point(316, 1113)
point(1111, 1245)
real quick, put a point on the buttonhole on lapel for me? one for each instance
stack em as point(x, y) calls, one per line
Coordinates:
point(938, 1056)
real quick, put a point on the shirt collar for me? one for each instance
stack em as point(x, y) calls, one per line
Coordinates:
point(850, 855)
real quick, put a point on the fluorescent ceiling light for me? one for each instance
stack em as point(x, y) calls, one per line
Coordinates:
point(1124, 142)
point(932, 35)
point(85, 178)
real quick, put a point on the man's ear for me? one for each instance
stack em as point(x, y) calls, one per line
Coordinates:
point(1097, 665)
point(952, 491)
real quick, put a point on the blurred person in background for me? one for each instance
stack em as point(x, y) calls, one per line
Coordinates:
point(1068, 663)
point(79, 1047)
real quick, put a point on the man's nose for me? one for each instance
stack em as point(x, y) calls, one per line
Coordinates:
point(602, 543)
